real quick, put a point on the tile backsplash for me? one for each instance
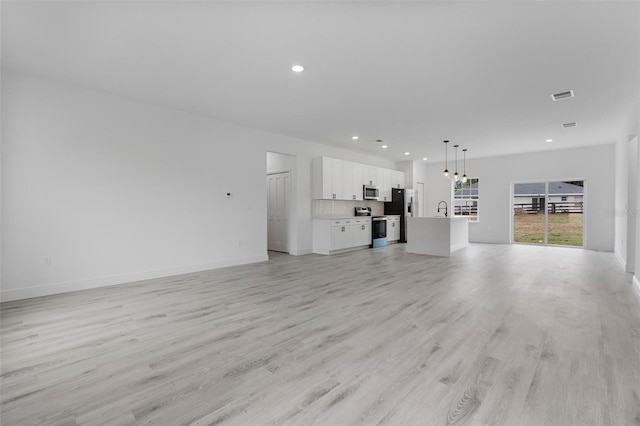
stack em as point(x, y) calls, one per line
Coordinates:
point(340, 208)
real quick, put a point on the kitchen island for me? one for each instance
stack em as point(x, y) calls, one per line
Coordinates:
point(437, 236)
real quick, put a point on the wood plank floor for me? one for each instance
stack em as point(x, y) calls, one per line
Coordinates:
point(495, 335)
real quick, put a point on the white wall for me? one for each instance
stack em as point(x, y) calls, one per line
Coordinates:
point(114, 190)
point(621, 201)
point(635, 129)
point(277, 162)
point(636, 280)
point(595, 164)
point(632, 199)
point(407, 168)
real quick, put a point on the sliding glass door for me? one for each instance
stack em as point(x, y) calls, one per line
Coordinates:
point(549, 212)
point(565, 213)
point(528, 213)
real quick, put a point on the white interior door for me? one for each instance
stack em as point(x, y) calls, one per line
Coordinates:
point(278, 188)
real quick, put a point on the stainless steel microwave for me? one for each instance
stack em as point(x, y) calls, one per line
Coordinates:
point(370, 192)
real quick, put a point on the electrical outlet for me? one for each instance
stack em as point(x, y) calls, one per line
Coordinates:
point(47, 261)
point(239, 243)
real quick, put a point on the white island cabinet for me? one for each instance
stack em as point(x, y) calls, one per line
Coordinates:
point(437, 236)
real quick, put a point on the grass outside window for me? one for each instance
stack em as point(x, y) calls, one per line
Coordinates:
point(563, 229)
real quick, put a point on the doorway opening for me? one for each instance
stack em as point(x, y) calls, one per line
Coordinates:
point(549, 212)
point(279, 201)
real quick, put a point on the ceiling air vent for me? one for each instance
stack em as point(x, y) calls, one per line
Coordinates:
point(562, 95)
point(571, 124)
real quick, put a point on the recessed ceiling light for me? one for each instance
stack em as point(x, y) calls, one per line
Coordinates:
point(407, 153)
point(548, 140)
point(424, 158)
point(384, 146)
point(355, 138)
point(297, 68)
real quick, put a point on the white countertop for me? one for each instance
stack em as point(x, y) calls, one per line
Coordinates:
point(341, 217)
point(353, 217)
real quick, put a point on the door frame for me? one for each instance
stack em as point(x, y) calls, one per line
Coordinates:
point(291, 167)
point(546, 214)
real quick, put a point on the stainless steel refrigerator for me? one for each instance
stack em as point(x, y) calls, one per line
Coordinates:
point(402, 201)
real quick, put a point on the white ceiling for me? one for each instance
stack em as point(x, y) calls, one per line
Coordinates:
point(410, 73)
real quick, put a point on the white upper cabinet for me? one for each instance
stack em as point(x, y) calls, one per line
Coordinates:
point(337, 177)
point(380, 178)
point(358, 180)
point(397, 179)
point(334, 179)
point(327, 179)
point(385, 188)
point(371, 175)
point(347, 181)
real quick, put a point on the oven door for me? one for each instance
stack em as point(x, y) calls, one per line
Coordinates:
point(378, 228)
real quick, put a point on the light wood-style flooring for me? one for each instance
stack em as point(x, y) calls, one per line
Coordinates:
point(495, 335)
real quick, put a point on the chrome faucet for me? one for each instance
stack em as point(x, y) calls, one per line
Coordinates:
point(445, 208)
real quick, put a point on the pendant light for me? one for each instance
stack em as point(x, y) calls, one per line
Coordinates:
point(464, 175)
point(455, 175)
point(446, 160)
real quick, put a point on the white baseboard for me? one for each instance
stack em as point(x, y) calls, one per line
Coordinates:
point(301, 252)
point(497, 241)
point(636, 286)
point(621, 261)
point(65, 287)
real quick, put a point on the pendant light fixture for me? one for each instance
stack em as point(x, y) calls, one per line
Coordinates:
point(446, 160)
point(455, 175)
point(464, 171)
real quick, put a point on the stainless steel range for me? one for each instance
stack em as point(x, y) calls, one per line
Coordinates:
point(378, 231)
point(363, 211)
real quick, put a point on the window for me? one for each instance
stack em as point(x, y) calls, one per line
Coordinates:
point(465, 199)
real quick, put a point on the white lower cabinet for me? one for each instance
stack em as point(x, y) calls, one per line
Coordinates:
point(393, 228)
point(341, 237)
point(332, 235)
point(362, 234)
